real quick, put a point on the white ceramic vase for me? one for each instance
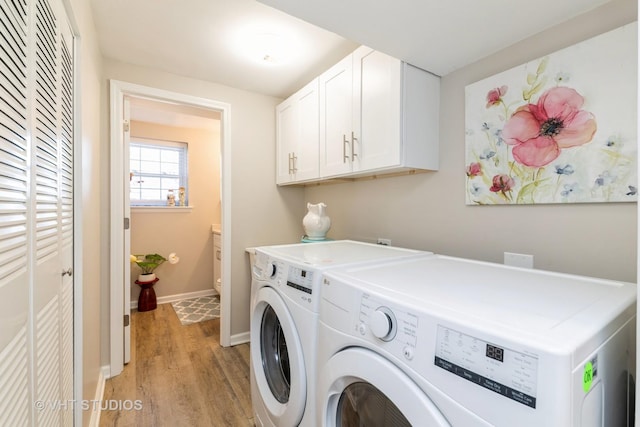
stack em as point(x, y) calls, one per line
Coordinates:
point(316, 223)
point(145, 278)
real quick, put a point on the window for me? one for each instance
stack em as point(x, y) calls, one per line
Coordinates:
point(157, 167)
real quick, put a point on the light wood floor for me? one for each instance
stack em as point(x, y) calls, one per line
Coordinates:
point(180, 375)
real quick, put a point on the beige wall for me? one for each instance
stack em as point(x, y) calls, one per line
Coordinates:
point(428, 211)
point(90, 166)
point(188, 234)
point(260, 212)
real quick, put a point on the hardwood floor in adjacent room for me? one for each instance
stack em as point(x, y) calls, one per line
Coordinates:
point(180, 375)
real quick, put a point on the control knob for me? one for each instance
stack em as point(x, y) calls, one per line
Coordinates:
point(270, 270)
point(383, 324)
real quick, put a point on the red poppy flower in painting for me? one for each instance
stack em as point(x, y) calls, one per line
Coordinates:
point(494, 97)
point(539, 131)
point(474, 169)
point(502, 183)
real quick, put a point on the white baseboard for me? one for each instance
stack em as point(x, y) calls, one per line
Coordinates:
point(179, 297)
point(94, 421)
point(240, 338)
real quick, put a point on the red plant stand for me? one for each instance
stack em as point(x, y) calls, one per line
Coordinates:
point(147, 299)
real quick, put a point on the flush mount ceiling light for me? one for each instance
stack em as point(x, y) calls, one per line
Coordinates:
point(266, 47)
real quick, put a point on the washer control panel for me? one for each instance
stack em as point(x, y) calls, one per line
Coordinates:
point(300, 279)
point(395, 328)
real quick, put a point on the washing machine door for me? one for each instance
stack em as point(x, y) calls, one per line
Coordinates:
point(358, 387)
point(277, 359)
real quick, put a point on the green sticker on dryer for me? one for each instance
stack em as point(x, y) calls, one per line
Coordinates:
point(589, 374)
point(587, 377)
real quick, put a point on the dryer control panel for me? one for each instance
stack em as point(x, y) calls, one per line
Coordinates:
point(508, 372)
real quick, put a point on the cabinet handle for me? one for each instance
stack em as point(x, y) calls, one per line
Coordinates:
point(293, 162)
point(353, 147)
point(218, 255)
point(345, 157)
point(290, 168)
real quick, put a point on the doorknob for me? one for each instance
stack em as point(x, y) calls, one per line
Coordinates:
point(68, 271)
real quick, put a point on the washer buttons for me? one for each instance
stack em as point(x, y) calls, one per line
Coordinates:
point(362, 328)
point(408, 353)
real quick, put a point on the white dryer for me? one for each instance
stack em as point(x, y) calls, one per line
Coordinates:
point(441, 341)
point(284, 322)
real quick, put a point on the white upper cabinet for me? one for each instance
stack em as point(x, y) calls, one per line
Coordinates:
point(336, 119)
point(377, 115)
point(298, 136)
point(385, 121)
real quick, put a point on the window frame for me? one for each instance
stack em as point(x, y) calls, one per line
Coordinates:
point(183, 171)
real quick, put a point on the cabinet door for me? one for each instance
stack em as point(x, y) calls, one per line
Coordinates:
point(298, 136)
point(336, 103)
point(377, 83)
point(286, 136)
point(305, 161)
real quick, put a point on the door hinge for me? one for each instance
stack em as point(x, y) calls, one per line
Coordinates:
point(125, 125)
point(126, 320)
point(126, 223)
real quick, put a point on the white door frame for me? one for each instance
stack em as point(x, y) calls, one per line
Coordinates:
point(118, 90)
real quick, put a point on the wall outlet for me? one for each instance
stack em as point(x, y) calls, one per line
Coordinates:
point(518, 260)
point(384, 242)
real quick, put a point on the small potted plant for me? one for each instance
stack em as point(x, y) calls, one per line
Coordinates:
point(149, 262)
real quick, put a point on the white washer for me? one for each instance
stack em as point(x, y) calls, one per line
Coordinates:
point(284, 322)
point(441, 341)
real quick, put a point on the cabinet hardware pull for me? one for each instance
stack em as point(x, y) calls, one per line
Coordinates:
point(345, 157)
point(353, 147)
point(294, 158)
point(290, 167)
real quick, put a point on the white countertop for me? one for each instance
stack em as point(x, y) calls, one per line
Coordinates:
point(216, 229)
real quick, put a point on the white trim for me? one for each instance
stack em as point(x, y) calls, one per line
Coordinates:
point(241, 338)
point(161, 209)
point(179, 297)
point(118, 90)
point(94, 407)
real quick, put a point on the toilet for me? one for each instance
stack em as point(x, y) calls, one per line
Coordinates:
point(217, 258)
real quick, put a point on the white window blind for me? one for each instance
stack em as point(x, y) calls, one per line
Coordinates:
point(157, 167)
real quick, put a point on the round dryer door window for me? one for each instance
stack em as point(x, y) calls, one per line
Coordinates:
point(358, 387)
point(362, 404)
point(277, 359)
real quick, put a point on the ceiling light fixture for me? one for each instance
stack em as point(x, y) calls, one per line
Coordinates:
point(267, 48)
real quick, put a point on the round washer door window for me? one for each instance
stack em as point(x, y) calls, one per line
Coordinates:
point(275, 355)
point(277, 359)
point(358, 387)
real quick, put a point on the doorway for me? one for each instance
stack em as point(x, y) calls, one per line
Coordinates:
point(119, 176)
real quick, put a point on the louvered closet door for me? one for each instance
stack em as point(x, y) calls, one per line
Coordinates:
point(15, 406)
point(36, 227)
point(52, 128)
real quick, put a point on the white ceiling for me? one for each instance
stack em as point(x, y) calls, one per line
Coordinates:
point(437, 35)
point(200, 38)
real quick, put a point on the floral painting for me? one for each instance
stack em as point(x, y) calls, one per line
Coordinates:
point(560, 129)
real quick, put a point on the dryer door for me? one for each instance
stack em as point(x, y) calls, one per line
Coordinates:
point(277, 359)
point(359, 387)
